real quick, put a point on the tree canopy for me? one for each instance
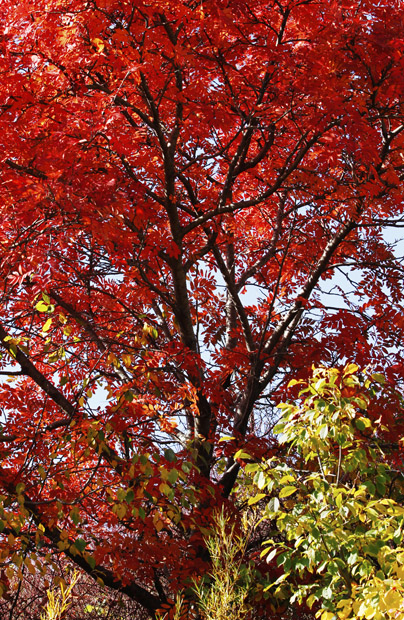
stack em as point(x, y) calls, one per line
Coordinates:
point(195, 199)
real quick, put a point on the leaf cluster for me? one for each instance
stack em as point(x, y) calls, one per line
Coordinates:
point(335, 503)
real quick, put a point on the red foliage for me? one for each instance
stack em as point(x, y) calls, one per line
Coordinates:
point(181, 180)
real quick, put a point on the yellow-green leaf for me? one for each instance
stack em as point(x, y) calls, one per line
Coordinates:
point(256, 498)
point(41, 306)
point(47, 325)
point(286, 491)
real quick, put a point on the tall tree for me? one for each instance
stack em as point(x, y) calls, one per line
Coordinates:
point(180, 181)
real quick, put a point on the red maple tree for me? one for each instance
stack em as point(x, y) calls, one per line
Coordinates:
point(180, 182)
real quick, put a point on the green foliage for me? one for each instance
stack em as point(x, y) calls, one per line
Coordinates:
point(334, 502)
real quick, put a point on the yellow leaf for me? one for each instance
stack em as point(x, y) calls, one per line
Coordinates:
point(98, 44)
point(400, 572)
point(41, 306)
point(370, 612)
point(344, 608)
point(47, 325)
point(350, 369)
point(293, 382)
point(286, 491)
point(392, 600)
point(256, 498)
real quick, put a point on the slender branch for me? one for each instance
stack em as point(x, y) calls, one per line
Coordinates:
point(30, 370)
point(289, 167)
point(236, 300)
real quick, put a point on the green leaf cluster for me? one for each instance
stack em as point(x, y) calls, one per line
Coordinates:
point(334, 502)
